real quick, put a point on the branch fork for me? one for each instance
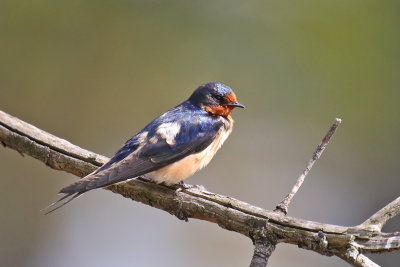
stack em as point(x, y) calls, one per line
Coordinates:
point(264, 227)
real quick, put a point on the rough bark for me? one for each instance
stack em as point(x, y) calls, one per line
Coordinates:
point(265, 228)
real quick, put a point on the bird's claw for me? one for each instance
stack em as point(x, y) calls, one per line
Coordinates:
point(183, 186)
point(181, 215)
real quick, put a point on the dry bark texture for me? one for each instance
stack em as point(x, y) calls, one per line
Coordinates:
point(265, 228)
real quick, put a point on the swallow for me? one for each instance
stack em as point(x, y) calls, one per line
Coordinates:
point(172, 147)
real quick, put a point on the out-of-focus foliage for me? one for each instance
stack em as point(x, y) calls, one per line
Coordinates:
point(95, 72)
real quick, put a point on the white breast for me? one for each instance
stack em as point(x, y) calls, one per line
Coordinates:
point(180, 170)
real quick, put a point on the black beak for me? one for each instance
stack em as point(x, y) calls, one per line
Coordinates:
point(235, 104)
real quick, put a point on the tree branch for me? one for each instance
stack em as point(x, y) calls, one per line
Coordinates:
point(382, 216)
point(266, 228)
point(284, 205)
point(355, 258)
point(262, 251)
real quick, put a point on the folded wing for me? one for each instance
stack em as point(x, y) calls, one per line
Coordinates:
point(142, 155)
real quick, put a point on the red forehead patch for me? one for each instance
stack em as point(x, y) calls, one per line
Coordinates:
point(231, 97)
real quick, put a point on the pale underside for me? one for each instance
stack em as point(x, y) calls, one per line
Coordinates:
point(182, 169)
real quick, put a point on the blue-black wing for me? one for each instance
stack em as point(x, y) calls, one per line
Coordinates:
point(142, 155)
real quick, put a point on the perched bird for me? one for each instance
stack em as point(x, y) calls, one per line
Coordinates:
point(172, 147)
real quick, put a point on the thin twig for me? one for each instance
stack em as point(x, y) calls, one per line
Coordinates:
point(355, 258)
point(227, 212)
point(284, 204)
point(381, 217)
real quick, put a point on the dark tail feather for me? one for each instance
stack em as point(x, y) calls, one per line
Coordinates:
point(72, 195)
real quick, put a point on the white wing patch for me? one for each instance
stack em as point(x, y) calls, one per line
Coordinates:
point(153, 140)
point(142, 137)
point(168, 131)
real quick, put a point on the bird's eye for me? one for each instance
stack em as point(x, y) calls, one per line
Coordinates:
point(219, 97)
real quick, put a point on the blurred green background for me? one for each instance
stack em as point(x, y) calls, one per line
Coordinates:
point(96, 72)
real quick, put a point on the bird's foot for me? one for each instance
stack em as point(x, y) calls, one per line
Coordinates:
point(183, 186)
point(181, 215)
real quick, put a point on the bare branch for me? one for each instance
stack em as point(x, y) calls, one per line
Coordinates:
point(264, 245)
point(389, 241)
point(284, 204)
point(382, 216)
point(55, 152)
point(266, 228)
point(355, 258)
point(262, 251)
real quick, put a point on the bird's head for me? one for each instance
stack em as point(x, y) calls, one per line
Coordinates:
point(215, 98)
